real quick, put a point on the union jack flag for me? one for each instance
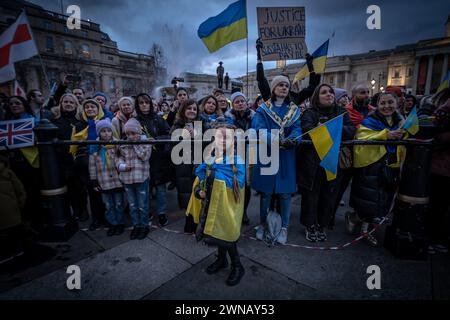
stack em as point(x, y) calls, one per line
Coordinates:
point(16, 134)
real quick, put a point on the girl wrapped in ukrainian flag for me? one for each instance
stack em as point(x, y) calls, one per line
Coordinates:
point(217, 202)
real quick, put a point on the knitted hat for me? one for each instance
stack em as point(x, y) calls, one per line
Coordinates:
point(277, 80)
point(237, 94)
point(132, 125)
point(100, 94)
point(102, 124)
point(339, 93)
point(125, 98)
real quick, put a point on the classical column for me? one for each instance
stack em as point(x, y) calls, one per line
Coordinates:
point(429, 74)
point(444, 67)
point(346, 81)
point(415, 75)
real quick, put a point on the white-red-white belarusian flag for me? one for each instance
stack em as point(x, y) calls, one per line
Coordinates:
point(18, 91)
point(16, 44)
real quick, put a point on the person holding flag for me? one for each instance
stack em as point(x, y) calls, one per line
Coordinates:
point(319, 177)
point(377, 166)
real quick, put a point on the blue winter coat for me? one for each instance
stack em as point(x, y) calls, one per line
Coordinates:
point(284, 181)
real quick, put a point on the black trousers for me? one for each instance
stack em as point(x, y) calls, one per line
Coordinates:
point(95, 198)
point(319, 204)
point(437, 223)
point(232, 252)
point(247, 197)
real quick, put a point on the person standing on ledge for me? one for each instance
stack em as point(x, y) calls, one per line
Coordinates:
point(227, 81)
point(220, 70)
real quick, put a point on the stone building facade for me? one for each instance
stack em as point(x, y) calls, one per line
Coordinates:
point(419, 68)
point(88, 54)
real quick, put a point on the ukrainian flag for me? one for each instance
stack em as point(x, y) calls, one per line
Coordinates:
point(327, 141)
point(412, 122)
point(319, 62)
point(228, 26)
point(445, 83)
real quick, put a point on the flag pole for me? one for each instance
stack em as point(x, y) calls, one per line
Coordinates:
point(246, 27)
point(39, 55)
point(304, 134)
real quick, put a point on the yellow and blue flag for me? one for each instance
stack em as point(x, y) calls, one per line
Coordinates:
point(228, 26)
point(412, 122)
point(445, 83)
point(327, 141)
point(319, 62)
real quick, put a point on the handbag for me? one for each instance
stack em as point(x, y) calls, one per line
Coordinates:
point(345, 158)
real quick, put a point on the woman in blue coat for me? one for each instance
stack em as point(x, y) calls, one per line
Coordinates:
point(277, 113)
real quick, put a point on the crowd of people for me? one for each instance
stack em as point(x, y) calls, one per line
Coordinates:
point(114, 180)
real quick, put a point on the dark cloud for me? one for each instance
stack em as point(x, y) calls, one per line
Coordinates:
point(136, 24)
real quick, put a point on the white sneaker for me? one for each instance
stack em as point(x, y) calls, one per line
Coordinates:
point(260, 232)
point(282, 237)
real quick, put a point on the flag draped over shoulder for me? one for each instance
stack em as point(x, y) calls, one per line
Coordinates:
point(319, 62)
point(412, 122)
point(228, 26)
point(327, 140)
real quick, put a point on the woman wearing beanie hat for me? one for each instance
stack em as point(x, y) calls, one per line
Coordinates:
point(341, 97)
point(241, 116)
point(90, 112)
point(319, 195)
point(126, 112)
point(279, 114)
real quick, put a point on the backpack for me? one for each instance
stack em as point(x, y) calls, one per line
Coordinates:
point(273, 228)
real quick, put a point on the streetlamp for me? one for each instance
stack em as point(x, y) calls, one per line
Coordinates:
point(381, 89)
point(373, 84)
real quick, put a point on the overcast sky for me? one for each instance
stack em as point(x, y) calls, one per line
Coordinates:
point(136, 24)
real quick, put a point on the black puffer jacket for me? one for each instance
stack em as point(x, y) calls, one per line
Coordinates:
point(372, 192)
point(308, 162)
point(243, 122)
point(66, 124)
point(160, 163)
point(184, 173)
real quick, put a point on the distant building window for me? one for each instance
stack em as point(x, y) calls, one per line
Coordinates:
point(396, 73)
point(85, 51)
point(369, 76)
point(68, 49)
point(49, 45)
point(409, 73)
point(355, 77)
point(84, 33)
point(48, 25)
point(110, 58)
point(112, 84)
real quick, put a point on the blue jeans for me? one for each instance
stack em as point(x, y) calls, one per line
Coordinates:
point(137, 194)
point(114, 205)
point(161, 199)
point(285, 206)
